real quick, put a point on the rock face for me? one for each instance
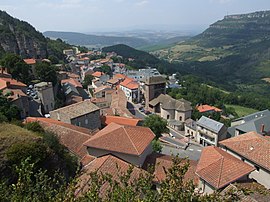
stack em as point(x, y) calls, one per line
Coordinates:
point(21, 38)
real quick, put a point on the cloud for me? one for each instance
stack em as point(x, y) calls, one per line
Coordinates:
point(142, 3)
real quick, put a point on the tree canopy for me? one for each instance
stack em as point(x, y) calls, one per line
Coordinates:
point(157, 124)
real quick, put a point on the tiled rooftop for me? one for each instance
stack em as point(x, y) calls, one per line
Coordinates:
point(219, 168)
point(122, 138)
point(252, 146)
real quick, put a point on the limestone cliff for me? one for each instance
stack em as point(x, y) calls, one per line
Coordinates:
point(20, 37)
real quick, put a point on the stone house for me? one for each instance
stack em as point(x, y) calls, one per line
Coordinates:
point(45, 93)
point(210, 132)
point(175, 111)
point(152, 87)
point(130, 143)
point(131, 89)
point(191, 128)
point(253, 149)
point(84, 114)
point(217, 169)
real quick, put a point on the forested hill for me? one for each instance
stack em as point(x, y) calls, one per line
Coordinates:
point(21, 38)
point(235, 29)
point(94, 40)
point(233, 52)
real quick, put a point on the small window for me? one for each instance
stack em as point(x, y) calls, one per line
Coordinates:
point(168, 116)
point(180, 118)
point(79, 124)
point(86, 121)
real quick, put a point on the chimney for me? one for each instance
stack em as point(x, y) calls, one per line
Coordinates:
point(8, 84)
point(262, 130)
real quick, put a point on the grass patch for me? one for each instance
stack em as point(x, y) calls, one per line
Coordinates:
point(242, 111)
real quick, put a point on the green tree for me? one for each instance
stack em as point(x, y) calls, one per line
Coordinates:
point(156, 145)
point(17, 67)
point(157, 124)
point(106, 69)
point(87, 80)
point(8, 111)
point(53, 59)
point(46, 72)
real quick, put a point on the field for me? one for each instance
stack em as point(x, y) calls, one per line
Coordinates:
point(242, 111)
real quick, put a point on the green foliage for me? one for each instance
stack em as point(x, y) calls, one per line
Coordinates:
point(53, 59)
point(7, 110)
point(87, 81)
point(156, 145)
point(34, 126)
point(17, 67)
point(106, 69)
point(46, 72)
point(157, 124)
point(56, 47)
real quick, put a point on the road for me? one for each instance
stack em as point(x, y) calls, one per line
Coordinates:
point(193, 151)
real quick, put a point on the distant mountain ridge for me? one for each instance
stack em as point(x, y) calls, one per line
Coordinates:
point(90, 40)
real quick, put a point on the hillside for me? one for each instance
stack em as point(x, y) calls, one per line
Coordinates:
point(94, 41)
point(233, 52)
point(21, 38)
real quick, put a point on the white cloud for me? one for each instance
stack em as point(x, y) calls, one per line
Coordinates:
point(142, 3)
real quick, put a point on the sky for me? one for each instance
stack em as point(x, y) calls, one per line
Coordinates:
point(119, 15)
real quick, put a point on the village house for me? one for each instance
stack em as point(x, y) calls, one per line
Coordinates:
point(74, 91)
point(175, 111)
point(72, 137)
point(191, 128)
point(258, 122)
point(131, 89)
point(84, 114)
point(217, 169)
point(152, 87)
point(208, 109)
point(161, 163)
point(210, 132)
point(45, 93)
point(135, 143)
point(253, 149)
point(15, 91)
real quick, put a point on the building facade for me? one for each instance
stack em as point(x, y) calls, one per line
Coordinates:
point(45, 93)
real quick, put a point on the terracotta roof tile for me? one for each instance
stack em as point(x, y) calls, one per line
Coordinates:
point(73, 82)
point(119, 76)
point(130, 83)
point(163, 162)
point(10, 83)
point(97, 74)
point(207, 108)
point(219, 168)
point(106, 165)
point(113, 81)
point(69, 135)
point(106, 120)
point(30, 61)
point(122, 138)
point(119, 104)
point(252, 146)
point(15, 93)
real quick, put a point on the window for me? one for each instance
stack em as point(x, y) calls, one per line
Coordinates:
point(180, 118)
point(78, 124)
point(168, 116)
point(86, 121)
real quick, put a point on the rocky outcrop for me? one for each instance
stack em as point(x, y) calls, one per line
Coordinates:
point(21, 38)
